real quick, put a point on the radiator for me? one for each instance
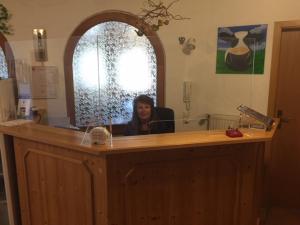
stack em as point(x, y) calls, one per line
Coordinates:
point(221, 122)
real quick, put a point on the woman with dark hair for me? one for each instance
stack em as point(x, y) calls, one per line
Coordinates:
point(144, 119)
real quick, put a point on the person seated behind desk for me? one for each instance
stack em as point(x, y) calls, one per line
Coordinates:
point(145, 119)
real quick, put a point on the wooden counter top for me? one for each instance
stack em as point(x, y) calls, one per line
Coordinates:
point(73, 139)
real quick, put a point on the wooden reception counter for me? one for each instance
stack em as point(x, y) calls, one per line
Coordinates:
point(186, 178)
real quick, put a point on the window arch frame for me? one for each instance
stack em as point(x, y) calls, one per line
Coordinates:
point(106, 16)
point(9, 56)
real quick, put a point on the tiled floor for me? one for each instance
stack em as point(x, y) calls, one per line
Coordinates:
point(281, 216)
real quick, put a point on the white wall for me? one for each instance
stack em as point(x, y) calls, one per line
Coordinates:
point(211, 93)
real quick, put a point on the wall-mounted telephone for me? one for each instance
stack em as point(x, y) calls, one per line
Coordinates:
point(187, 93)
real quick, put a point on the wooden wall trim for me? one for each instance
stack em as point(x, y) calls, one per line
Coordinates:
point(278, 29)
point(111, 15)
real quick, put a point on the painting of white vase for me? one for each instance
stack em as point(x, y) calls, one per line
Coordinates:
point(241, 49)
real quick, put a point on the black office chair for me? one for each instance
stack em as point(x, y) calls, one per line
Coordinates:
point(166, 116)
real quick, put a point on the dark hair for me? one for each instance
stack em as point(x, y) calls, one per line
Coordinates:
point(135, 120)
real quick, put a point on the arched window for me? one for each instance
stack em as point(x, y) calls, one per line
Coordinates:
point(107, 64)
point(7, 68)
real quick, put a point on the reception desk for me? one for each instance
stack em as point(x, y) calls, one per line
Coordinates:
point(188, 178)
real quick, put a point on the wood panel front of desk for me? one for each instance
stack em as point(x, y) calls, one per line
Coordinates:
point(213, 185)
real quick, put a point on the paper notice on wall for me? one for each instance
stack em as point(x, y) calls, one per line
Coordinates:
point(44, 82)
point(23, 76)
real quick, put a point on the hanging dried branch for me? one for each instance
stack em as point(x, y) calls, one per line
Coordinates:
point(157, 15)
point(5, 16)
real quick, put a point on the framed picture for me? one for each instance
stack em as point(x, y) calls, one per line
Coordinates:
point(241, 49)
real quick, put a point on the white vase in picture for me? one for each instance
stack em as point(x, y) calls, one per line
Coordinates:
point(239, 56)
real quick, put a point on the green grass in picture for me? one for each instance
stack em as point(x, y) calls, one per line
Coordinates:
point(222, 68)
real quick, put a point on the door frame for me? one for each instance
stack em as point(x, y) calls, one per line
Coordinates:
point(279, 28)
point(274, 76)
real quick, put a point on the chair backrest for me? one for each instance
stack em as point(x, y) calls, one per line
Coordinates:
point(166, 115)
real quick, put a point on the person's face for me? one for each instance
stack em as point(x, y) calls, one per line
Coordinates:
point(143, 111)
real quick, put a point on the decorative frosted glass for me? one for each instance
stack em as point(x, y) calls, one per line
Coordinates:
point(111, 66)
point(3, 65)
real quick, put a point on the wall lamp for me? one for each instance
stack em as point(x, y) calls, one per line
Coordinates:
point(40, 45)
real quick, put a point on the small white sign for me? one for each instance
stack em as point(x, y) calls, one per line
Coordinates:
point(24, 107)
